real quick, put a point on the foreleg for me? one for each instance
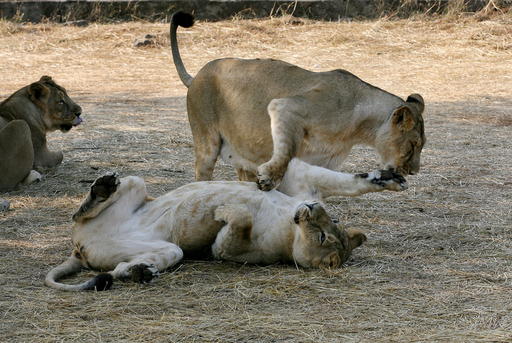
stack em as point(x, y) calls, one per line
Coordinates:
point(233, 242)
point(206, 137)
point(304, 179)
point(287, 134)
point(246, 175)
point(43, 157)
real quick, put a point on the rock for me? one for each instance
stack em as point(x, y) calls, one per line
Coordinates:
point(144, 40)
point(77, 23)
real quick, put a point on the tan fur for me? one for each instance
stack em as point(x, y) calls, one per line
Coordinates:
point(25, 119)
point(119, 229)
point(259, 114)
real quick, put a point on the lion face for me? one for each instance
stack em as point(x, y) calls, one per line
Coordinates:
point(320, 243)
point(59, 111)
point(400, 146)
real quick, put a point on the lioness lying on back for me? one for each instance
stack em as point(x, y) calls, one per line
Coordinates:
point(259, 114)
point(118, 228)
point(25, 119)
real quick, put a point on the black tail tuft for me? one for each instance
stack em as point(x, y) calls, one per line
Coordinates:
point(183, 19)
point(102, 282)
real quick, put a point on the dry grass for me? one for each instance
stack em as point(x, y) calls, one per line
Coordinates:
point(437, 265)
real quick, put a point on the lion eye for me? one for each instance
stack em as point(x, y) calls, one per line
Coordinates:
point(322, 238)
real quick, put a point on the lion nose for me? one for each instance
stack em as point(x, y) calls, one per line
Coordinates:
point(77, 111)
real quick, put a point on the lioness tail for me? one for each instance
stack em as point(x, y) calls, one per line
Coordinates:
point(73, 265)
point(183, 19)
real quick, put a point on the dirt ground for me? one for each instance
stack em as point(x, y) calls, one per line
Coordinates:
point(437, 264)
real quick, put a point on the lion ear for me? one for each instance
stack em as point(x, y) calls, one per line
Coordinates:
point(403, 119)
point(356, 237)
point(39, 94)
point(416, 100)
point(45, 78)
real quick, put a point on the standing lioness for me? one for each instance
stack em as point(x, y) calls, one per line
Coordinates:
point(259, 114)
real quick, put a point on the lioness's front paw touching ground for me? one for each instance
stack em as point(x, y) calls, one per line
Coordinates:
point(387, 179)
point(34, 176)
point(105, 185)
point(144, 273)
point(4, 205)
point(265, 182)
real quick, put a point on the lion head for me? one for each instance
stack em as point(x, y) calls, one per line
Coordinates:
point(59, 111)
point(319, 242)
point(400, 145)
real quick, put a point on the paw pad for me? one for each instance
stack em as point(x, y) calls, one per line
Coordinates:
point(265, 183)
point(144, 273)
point(106, 185)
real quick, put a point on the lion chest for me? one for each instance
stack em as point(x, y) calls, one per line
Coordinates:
point(324, 148)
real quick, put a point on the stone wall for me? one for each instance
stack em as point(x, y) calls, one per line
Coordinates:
point(69, 10)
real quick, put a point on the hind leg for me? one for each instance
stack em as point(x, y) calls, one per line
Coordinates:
point(127, 193)
point(96, 201)
point(205, 157)
point(147, 259)
point(16, 154)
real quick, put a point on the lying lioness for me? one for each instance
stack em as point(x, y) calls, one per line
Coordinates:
point(118, 228)
point(25, 119)
point(259, 114)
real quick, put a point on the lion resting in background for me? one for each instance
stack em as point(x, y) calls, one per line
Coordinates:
point(120, 229)
point(25, 119)
point(259, 114)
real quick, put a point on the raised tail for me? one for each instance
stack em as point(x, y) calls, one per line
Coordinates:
point(183, 19)
point(72, 266)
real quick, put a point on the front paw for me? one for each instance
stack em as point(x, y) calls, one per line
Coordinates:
point(221, 214)
point(265, 182)
point(4, 205)
point(387, 179)
point(105, 185)
point(303, 212)
point(144, 273)
point(34, 176)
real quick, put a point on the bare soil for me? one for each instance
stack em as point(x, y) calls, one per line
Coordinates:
point(436, 267)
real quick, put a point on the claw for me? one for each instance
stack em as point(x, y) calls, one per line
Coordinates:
point(265, 184)
point(144, 273)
